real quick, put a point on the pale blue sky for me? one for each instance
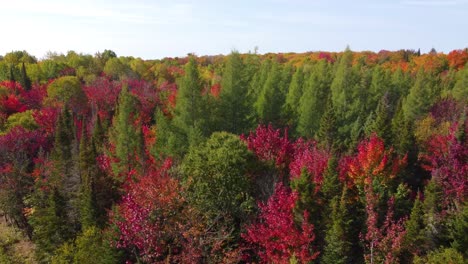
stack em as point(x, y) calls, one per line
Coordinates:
point(156, 29)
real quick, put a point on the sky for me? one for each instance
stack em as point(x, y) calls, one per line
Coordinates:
point(157, 29)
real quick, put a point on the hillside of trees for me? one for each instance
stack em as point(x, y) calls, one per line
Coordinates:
point(318, 157)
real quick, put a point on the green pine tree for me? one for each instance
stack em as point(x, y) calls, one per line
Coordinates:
point(126, 136)
point(420, 97)
point(291, 105)
point(337, 248)
point(89, 171)
point(269, 101)
point(313, 102)
point(235, 103)
point(327, 133)
point(25, 80)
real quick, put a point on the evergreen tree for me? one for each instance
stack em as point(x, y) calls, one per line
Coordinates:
point(415, 237)
point(126, 136)
point(327, 133)
point(269, 101)
point(460, 90)
point(99, 134)
point(25, 80)
point(331, 186)
point(235, 103)
point(50, 224)
point(432, 208)
point(171, 141)
point(291, 105)
point(402, 136)
point(189, 107)
point(337, 247)
point(379, 86)
point(313, 102)
point(12, 74)
point(89, 170)
point(420, 97)
point(65, 172)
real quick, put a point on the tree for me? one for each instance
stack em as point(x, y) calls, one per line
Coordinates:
point(313, 102)
point(50, 223)
point(276, 237)
point(127, 137)
point(420, 97)
point(337, 246)
point(235, 101)
point(88, 171)
point(291, 105)
point(216, 177)
point(189, 102)
point(25, 80)
point(327, 133)
point(415, 238)
point(270, 98)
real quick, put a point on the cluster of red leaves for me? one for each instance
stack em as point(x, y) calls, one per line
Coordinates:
point(168, 94)
point(315, 160)
point(457, 58)
point(268, 144)
point(276, 235)
point(372, 161)
point(19, 140)
point(145, 215)
point(102, 94)
point(215, 90)
point(383, 244)
point(18, 99)
point(326, 56)
point(147, 95)
point(446, 159)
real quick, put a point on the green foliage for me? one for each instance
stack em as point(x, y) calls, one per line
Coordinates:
point(421, 95)
point(415, 238)
point(460, 90)
point(189, 102)
point(171, 140)
point(327, 133)
point(216, 176)
point(50, 224)
point(24, 78)
point(441, 256)
point(90, 247)
point(313, 102)
point(66, 89)
point(235, 103)
point(291, 105)
point(337, 247)
point(270, 99)
point(458, 230)
point(88, 171)
point(126, 135)
point(24, 119)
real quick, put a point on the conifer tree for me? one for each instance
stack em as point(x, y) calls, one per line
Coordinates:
point(269, 101)
point(291, 105)
point(126, 136)
point(88, 170)
point(313, 102)
point(189, 102)
point(415, 237)
point(25, 80)
point(420, 97)
point(235, 103)
point(327, 133)
point(337, 247)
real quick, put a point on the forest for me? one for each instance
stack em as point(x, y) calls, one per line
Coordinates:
point(316, 157)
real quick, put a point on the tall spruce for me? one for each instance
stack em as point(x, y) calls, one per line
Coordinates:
point(89, 171)
point(291, 105)
point(313, 102)
point(235, 102)
point(337, 247)
point(126, 135)
point(327, 133)
point(269, 101)
point(189, 101)
point(421, 95)
point(24, 79)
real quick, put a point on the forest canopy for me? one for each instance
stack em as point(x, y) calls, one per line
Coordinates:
point(316, 157)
